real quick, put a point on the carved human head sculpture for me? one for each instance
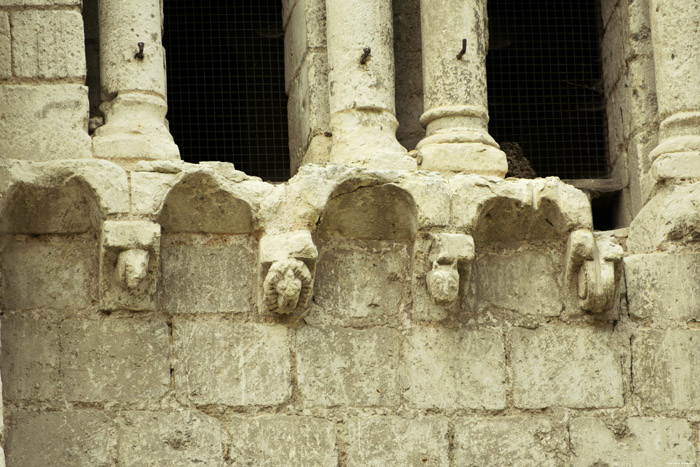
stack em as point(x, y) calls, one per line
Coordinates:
point(132, 266)
point(287, 286)
point(443, 282)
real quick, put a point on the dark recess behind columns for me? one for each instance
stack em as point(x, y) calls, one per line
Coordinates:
point(544, 84)
point(226, 98)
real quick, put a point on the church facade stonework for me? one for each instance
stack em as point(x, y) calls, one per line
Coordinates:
point(388, 305)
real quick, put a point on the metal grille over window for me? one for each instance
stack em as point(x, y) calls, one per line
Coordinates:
point(544, 84)
point(226, 98)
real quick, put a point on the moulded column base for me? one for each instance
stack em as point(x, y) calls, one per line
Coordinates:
point(475, 158)
point(465, 151)
point(367, 138)
point(135, 129)
point(676, 166)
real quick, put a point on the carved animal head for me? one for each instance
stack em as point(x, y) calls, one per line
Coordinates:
point(288, 290)
point(287, 286)
point(132, 267)
point(443, 283)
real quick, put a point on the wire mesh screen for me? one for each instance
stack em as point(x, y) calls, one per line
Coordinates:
point(226, 98)
point(544, 84)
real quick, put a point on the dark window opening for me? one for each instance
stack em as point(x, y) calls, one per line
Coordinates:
point(226, 97)
point(544, 84)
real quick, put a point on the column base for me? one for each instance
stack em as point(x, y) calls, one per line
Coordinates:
point(462, 151)
point(134, 129)
point(367, 138)
point(676, 158)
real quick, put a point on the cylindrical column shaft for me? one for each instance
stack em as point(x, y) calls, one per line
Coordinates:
point(361, 59)
point(132, 73)
point(676, 41)
point(454, 35)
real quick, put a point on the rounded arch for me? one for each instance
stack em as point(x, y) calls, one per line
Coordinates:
point(542, 209)
point(65, 205)
point(370, 211)
point(199, 203)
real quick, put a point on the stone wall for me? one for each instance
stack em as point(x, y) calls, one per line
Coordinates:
point(155, 312)
point(195, 368)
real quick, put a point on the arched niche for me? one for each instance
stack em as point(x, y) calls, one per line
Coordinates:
point(365, 241)
point(49, 220)
point(208, 250)
point(520, 231)
point(198, 203)
point(529, 210)
point(68, 205)
point(504, 220)
point(370, 212)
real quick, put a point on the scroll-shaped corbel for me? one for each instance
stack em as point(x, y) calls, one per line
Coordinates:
point(591, 261)
point(451, 254)
point(129, 256)
point(288, 261)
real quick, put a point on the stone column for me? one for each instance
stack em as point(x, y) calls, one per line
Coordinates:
point(676, 41)
point(361, 77)
point(132, 73)
point(454, 90)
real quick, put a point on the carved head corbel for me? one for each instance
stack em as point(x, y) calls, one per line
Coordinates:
point(289, 263)
point(129, 256)
point(591, 261)
point(452, 254)
point(287, 286)
point(132, 267)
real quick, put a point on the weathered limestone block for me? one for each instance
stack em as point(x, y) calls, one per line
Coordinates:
point(449, 369)
point(590, 269)
point(663, 286)
point(42, 272)
point(367, 281)
point(387, 440)
point(308, 115)
point(81, 438)
point(48, 44)
point(614, 48)
point(558, 366)
point(647, 442)
point(451, 255)
point(527, 281)
point(220, 362)
point(274, 440)
point(149, 188)
point(122, 360)
point(5, 47)
point(44, 122)
point(129, 263)
point(30, 358)
point(665, 369)
point(211, 274)
point(349, 367)
point(288, 263)
point(168, 439)
point(509, 441)
point(305, 32)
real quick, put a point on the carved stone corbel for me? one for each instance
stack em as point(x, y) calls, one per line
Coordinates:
point(129, 257)
point(451, 254)
point(591, 261)
point(288, 262)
